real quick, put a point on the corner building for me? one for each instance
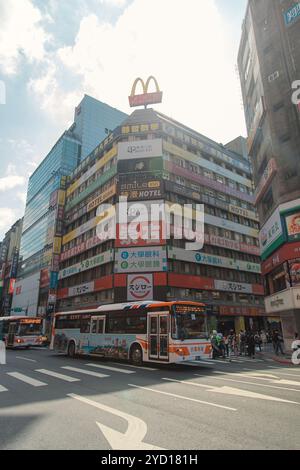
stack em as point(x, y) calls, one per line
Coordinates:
point(153, 159)
point(269, 63)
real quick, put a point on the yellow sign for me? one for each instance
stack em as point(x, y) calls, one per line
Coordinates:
point(103, 197)
point(57, 245)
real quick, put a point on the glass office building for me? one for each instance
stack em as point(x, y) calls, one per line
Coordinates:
point(93, 121)
point(40, 244)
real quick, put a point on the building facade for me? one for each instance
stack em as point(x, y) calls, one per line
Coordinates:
point(269, 64)
point(9, 257)
point(42, 229)
point(153, 159)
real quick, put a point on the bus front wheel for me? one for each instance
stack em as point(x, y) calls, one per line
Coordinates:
point(71, 349)
point(136, 355)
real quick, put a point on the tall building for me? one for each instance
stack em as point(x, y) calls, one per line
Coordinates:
point(42, 229)
point(269, 63)
point(9, 257)
point(153, 159)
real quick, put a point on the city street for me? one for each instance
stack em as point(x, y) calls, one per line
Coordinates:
point(53, 402)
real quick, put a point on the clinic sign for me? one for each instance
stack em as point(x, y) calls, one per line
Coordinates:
point(135, 260)
point(90, 263)
point(292, 15)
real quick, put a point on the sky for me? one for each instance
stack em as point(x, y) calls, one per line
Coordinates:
point(52, 52)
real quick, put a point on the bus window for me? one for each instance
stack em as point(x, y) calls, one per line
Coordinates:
point(100, 326)
point(85, 325)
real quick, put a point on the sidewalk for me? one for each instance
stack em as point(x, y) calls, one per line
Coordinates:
point(285, 359)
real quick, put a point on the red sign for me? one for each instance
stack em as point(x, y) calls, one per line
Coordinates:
point(139, 234)
point(288, 252)
point(145, 98)
point(45, 279)
point(11, 288)
point(241, 311)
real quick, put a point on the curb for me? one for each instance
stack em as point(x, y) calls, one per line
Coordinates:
point(277, 359)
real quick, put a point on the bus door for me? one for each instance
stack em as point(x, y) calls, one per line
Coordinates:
point(97, 329)
point(12, 329)
point(158, 335)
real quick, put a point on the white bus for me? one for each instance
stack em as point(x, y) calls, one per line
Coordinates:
point(21, 332)
point(169, 332)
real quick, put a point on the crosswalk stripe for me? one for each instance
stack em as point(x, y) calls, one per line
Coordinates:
point(200, 363)
point(114, 369)
point(3, 389)
point(26, 379)
point(51, 373)
point(138, 367)
point(87, 372)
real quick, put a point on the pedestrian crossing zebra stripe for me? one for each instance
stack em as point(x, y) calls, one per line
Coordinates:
point(27, 379)
point(3, 389)
point(57, 375)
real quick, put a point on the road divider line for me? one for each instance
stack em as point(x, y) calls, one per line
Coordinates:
point(84, 371)
point(57, 375)
point(25, 359)
point(194, 400)
point(26, 379)
point(114, 369)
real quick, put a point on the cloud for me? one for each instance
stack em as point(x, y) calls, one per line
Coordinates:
point(21, 34)
point(187, 47)
point(11, 180)
point(7, 218)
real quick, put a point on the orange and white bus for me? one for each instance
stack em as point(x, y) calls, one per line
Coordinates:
point(168, 332)
point(21, 332)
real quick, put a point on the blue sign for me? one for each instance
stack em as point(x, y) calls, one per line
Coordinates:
point(292, 14)
point(53, 280)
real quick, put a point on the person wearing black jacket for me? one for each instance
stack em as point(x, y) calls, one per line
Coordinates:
point(250, 340)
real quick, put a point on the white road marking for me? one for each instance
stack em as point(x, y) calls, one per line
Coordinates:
point(233, 391)
point(136, 431)
point(248, 394)
point(26, 379)
point(250, 383)
point(114, 369)
point(262, 376)
point(3, 389)
point(66, 378)
point(183, 397)
point(87, 372)
point(25, 359)
point(139, 367)
point(200, 363)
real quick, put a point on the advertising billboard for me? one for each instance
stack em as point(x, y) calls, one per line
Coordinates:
point(140, 149)
point(26, 295)
point(271, 235)
point(139, 287)
point(293, 227)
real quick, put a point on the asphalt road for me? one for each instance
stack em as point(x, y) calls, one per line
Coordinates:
point(53, 402)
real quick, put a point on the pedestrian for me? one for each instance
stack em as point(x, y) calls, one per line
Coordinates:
point(264, 339)
point(226, 343)
point(277, 339)
point(251, 344)
point(215, 346)
point(242, 341)
point(232, 343)
point(258, 341)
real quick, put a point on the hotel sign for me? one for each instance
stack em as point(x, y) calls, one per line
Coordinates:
point(141, 189)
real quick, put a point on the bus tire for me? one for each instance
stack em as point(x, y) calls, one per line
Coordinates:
point(136, 355)
point(71, 349)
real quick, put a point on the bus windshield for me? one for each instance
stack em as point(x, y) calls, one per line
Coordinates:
point(30, 329)
point(189, 322)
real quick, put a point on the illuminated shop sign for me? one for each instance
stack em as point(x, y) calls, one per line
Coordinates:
point(139, 287)
point(145, 98)
point(271, 235)
point(293, 226)
point(136, 260)
point(141, 189)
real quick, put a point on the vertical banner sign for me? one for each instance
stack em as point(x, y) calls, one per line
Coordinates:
point(139, 287)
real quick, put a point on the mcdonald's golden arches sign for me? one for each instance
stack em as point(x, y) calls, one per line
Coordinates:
point(145, 98)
